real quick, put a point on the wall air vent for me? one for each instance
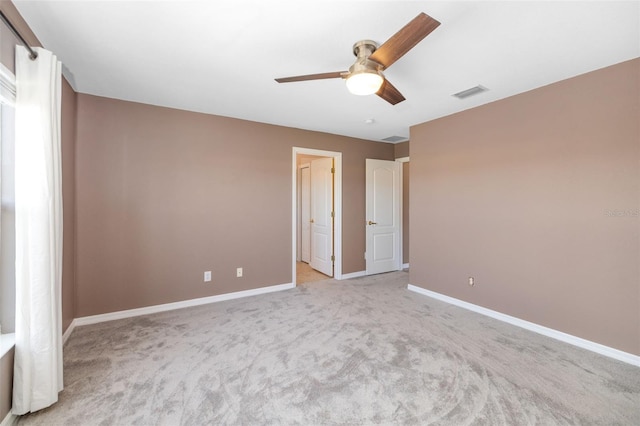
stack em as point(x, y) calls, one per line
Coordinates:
point(470, 92)
point(394, 139)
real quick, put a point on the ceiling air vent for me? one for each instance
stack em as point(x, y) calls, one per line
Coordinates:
point(470, 92)
point(394, 139)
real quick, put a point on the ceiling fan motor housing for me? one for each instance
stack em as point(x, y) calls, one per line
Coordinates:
point(362, 50)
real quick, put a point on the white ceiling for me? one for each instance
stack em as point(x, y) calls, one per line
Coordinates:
point(221, 57)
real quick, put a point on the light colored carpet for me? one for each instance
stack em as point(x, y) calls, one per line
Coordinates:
point(363, 351)
point(306, 274)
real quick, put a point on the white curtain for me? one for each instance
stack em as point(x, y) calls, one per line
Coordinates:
point(38, 197)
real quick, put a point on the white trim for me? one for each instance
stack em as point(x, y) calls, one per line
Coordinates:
point(68, 331)
point(7, 342)
point(402, 160)
point(7, 86)
point(94, 319)
point(536, 328)
point(337, 208)
point(9, 419)
point(353, 275)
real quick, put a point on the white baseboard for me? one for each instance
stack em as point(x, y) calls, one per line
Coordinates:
point(93, 319)
point(68, 331)
point(545, 331)
point(9, 420)
point(353, 275)
point(405, 266)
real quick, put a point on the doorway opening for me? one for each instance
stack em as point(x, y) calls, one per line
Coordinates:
point(316, 222)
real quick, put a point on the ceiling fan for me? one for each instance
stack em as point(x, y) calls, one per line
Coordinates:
point(365, 75)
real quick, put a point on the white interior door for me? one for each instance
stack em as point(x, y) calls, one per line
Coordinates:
point(305, 214)
point(383, 216)
point(321, 215)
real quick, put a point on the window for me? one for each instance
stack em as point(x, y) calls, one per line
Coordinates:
point(7, 204)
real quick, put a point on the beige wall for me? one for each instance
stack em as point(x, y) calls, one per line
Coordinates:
point(518, 193)
point(163, 195)
point(7, 40)
point(306, 159)
point(6, 383)
point(401, 150)
point(68, 135)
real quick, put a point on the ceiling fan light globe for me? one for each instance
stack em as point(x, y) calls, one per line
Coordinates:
point(364, 83)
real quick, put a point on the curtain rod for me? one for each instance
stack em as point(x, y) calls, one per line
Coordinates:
point(32, 53)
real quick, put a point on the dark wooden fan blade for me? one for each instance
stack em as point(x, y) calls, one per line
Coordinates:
point(404, 40)
point(389, 93)
point(337, 74)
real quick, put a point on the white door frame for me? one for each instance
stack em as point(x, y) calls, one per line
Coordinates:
point(337, 208)
point(402, 160)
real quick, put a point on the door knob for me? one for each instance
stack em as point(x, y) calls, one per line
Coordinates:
point(373, 223)
point(312, 221)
